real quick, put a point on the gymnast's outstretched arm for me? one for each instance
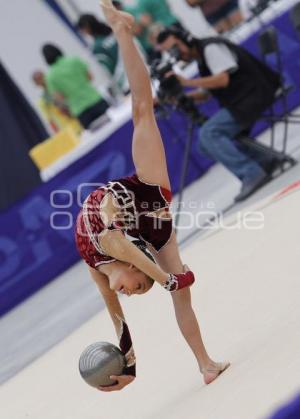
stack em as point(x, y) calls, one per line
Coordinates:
point(116, 245)
point(116, 313)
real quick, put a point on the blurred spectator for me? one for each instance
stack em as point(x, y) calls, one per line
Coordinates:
point(153, 32)
point(223, 15)
point(56, 114)
point(247, 7)
point(106, 50)
point(69, 80)
point(105, 46)
point(147, 13)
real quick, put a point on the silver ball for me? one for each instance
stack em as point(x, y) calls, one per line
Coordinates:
point(99, 361)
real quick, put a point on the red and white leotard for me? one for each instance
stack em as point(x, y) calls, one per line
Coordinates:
point(137, 201)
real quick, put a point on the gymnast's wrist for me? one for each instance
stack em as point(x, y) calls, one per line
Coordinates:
point(130, 368)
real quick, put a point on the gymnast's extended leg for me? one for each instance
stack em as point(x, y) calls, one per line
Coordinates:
point(147, 146)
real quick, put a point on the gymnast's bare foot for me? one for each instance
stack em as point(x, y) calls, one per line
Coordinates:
point(213, 370)
point(116, 18)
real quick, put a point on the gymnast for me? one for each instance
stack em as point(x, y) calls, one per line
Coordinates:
point(124, 230)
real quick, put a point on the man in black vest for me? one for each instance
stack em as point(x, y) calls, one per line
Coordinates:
point(244, 88)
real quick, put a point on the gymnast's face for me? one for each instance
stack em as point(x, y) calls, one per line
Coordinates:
point(130, 281)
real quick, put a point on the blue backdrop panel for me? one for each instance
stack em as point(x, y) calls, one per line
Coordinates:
point(37, 238)
point(37, 235)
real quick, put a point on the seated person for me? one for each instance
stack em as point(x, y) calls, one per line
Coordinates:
point(248, 8)
point(69, 79)
point(56, 113)
point(244, 88)
point(223, 15)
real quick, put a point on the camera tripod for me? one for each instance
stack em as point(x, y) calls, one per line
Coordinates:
point(186, 106)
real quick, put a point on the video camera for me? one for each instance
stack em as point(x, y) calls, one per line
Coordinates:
point(170, 91)
point(169, 86)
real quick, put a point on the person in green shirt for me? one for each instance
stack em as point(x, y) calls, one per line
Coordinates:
point(106, 50)
point(105, 46)
point(147, 13)
point(140, 31)
point(69, 79)
point(56, 113)
point(155, 11)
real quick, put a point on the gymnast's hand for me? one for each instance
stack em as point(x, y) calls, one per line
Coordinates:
point(122, 381)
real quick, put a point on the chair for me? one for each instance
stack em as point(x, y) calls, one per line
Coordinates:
point(260, 7)
point(269, 46)
point(268, 43)
point(295, 17)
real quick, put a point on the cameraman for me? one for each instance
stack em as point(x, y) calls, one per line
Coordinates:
point(244, 88)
